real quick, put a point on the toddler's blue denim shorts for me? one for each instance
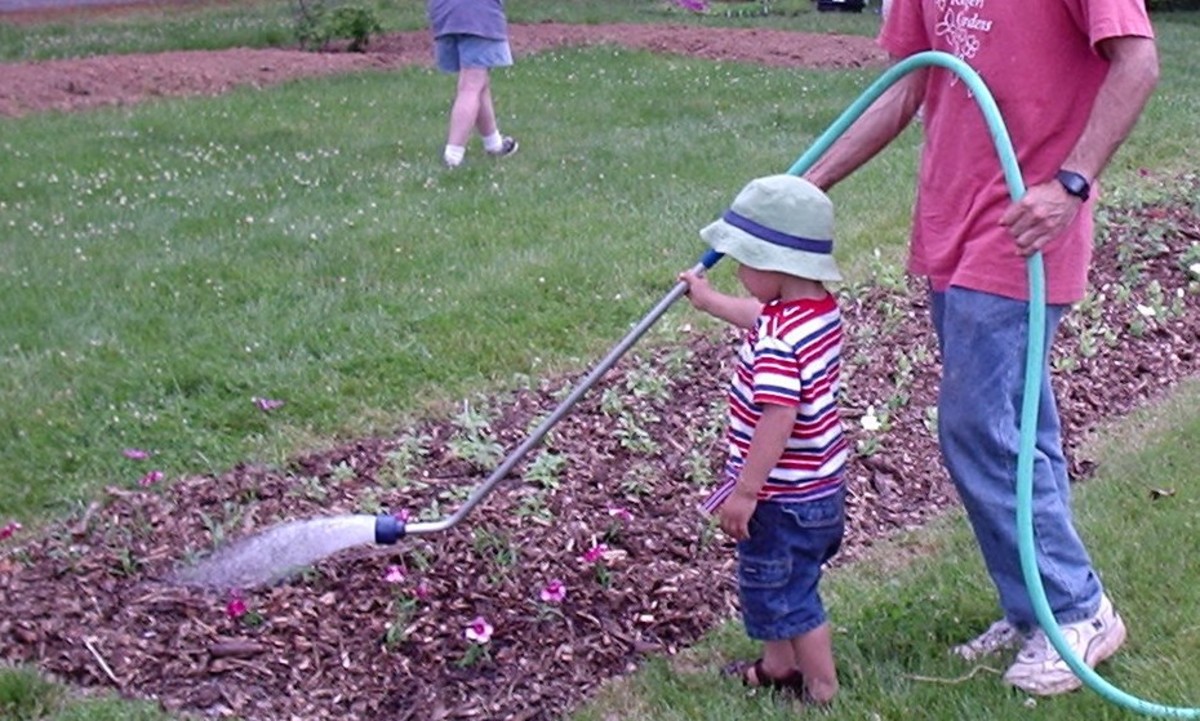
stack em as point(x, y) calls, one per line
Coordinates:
point(454, 52)
point(779, 565)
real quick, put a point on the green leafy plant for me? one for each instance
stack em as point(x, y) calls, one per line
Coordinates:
point(320, 22)
point(471, 443)
point(404, 608)
point(496, 548)
point(546, 470)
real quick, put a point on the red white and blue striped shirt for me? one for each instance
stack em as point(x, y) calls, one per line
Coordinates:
point(791, 357)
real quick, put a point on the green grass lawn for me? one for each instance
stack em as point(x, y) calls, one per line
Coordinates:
point(162, 265)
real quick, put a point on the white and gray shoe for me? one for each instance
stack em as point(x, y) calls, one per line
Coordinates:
point(1041, 670)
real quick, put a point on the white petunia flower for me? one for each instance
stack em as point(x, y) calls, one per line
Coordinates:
point(870, 421)
point(1146, 310)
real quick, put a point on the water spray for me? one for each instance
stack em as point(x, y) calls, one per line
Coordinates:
point(280, 550)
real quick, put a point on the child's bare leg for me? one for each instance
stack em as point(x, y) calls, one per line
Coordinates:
point(779, 660)
point(812, 653)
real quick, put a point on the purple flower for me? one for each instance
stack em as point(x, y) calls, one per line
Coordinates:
point(422, 591)
point(9, 529)
point(402, 515)
point(151, 478)
point(554, 592)
point(479, 630)
point(395, 574)
point(135, 454)
point(696, 6)
point(236, 608)
point(266, 404)
point(595, 554)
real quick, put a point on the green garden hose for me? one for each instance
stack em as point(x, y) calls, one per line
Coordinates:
point(1033, 358)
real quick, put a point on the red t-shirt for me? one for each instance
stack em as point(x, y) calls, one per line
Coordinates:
point(1038, 59)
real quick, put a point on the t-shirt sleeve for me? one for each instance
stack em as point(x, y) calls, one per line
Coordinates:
point(776, 373)
point(904, 30)
point(1104, 19)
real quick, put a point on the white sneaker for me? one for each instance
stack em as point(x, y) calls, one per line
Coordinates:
point(1000, 636)
point(1040, 670)
point(508, 146)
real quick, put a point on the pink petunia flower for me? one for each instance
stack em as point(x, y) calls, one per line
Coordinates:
point(135, 454)
point(9, 529)
point(479, 630)
point(422, 591)
point(594, 554)
point(236, 608)
point(402, 515)
point(554, 592)
point(395, 574)
point(696, 6)
point(266, 404)
point(151, 478)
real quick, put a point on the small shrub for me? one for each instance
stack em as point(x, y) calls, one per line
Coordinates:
point(320, 22)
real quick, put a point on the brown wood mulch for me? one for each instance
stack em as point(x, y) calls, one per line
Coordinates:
point(87, 600)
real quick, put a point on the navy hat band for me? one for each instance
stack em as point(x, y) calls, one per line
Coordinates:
point(795, 242)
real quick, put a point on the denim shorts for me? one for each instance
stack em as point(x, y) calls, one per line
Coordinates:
point(454, 52)
point(779, 565)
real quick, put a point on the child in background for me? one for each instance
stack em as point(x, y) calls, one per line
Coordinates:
point(470, 38)
point(783, 498)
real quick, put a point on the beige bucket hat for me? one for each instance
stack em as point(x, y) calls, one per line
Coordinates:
point(782, 223)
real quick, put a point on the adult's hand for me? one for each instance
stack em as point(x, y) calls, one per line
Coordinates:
point(1040, 216)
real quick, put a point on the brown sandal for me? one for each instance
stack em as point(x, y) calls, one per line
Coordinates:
point(792, 683)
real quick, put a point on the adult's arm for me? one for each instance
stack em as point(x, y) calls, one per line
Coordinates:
point(1047, 209)
point(875, 128)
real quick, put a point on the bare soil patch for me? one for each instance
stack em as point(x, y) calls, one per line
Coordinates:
point(80, 83)
point(89, 601)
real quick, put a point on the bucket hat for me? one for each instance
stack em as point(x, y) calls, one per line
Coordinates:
point(779, 222)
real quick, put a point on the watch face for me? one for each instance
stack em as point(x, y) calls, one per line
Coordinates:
point(1074, 183)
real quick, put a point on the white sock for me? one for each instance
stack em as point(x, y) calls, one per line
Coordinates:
point(494, 142)
point(453, 154)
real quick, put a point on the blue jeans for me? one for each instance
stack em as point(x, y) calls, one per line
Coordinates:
point(982, 338)
point(779, 565)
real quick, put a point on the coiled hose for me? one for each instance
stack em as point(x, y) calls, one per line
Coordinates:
point(1033, 355)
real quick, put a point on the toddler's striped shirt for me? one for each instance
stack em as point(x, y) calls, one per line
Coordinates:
point(792, 357)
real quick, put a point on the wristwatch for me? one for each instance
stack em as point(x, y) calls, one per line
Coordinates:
point(1074, 183)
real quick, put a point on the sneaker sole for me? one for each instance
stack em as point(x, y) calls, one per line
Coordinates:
point(1093, 656)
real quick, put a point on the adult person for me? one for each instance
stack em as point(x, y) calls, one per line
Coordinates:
point(1071, 78)
point(470, 38)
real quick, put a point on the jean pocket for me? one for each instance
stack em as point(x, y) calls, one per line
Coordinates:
point(821, 513)
point(765, 573)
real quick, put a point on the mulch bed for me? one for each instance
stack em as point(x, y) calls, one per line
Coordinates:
point(89, 600)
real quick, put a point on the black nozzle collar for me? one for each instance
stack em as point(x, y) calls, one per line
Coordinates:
point(388, 530)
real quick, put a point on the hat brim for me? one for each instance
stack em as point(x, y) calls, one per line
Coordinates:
point(754, 252)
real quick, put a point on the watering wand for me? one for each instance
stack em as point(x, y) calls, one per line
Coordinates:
point(389, 529)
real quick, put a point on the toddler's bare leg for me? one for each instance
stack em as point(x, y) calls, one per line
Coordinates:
point(813, 656)
point(779, 660)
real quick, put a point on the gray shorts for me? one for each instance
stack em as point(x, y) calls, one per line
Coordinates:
point(454, 52)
